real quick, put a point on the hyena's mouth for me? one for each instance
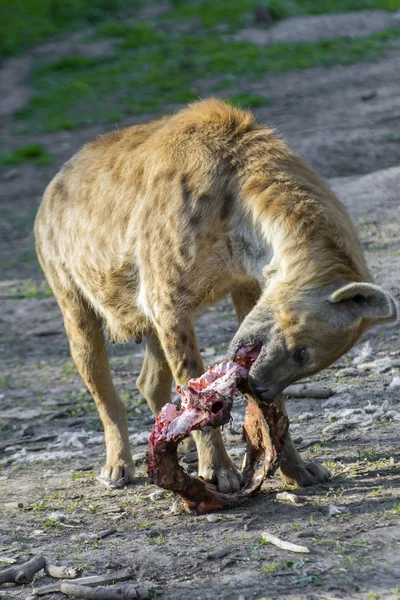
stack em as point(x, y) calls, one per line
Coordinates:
point(247, 355)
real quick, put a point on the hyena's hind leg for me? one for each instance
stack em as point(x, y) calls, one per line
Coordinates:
point(155, 379)
point(88, 349)
point(293, 468)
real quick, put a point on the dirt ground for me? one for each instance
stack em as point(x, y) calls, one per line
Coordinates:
point(346, 122)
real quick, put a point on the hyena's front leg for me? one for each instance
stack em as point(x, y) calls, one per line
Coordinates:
point(293, 468)
point(178, 339)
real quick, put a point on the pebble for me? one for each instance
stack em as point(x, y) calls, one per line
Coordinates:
point(349, 412)
point(156, 495)
point(336, 510)
point(305, 417)
point(213, 518)
point(337, 401)
point(219, 553)
point(287, 497)
point(395, 382)
point(364, 355)
point(334, 428)
point(138, 457)
point(192, 457)
point(142, 437)
point(175, 508)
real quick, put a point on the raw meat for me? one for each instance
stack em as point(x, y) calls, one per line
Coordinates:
point(207, 401)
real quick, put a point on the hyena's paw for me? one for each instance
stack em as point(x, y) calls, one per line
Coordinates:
point(225, 475)
point(304, 474)
point(117, 474)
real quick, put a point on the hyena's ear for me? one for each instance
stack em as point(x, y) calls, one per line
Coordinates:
point(365, 300)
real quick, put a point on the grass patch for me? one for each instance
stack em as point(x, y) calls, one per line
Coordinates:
point(152, 69)
point(248, 100)
point(30, 153)
point(281, 9)
point(269, 568)
point(28, 288)
point(239, 13)
point(25, 23)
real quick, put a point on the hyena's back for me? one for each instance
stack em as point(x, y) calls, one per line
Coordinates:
point(141, 206)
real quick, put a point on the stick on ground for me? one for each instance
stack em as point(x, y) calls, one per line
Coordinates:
point(22, 573)
point(121, 592)
point(60, 572)
point(92, 580)
point(272, 539)
point(306, 390)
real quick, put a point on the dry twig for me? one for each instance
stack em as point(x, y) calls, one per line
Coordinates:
point(122, 592)
point(86, 581)
point(60, 572)
point(272, 539)
point(23, 572)
point(305, 390)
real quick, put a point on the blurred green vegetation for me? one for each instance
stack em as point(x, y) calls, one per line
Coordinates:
point(30, 153)
point(25, 23)
point(151, 70)
point(173, 58)
point(232, 12)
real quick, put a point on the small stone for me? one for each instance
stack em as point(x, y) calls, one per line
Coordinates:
point(297, 440)
point(336, 510)
point(209, 352)
point(156, 495)
point(213, 518)
point(192, 457)
point(305, 417)
point(349, 412)
point(370, 95)
point(287, 497)
point(220, 553)
point(395, 382)
point(175, 508)
point(334, 428)
point(142, 437)
point(337, 401)
point(138, 457)
point(364, 355)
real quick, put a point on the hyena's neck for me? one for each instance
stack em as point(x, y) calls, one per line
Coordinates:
point(301, 230)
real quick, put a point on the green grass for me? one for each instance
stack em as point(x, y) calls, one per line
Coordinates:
point(237, 13)
point(25, 23)
point(287, 8)
point(248, 100)
point(151, 70)
point(30, 153)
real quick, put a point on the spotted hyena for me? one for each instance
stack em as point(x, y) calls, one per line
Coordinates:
point(146, 226)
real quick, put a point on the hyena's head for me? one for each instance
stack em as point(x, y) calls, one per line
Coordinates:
point(301, 333)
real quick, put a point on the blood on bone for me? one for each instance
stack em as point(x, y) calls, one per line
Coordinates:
point(207, 401)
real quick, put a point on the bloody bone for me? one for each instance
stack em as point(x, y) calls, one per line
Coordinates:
point(207, 401)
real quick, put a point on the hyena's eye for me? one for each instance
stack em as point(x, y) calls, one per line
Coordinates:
point(301, 356)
